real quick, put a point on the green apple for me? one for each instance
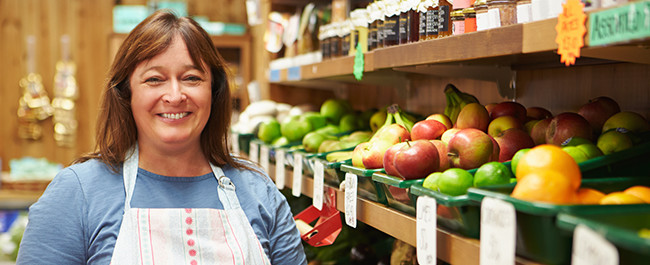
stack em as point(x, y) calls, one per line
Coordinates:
point(575, 141)
point(316, 120)
point(269, 130)
point(329, 129)
point(282, 141)
point(295, 128)
point(578, 155)
point(350, 122)
point(590, 149)
point(312, 141)
point(334, 109)
point(613, 141)
point(631, 121)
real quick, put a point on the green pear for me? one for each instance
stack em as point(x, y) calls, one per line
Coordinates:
point(269, 130)
point(329, 129)
point(312, 141)
point(316, 120)
point(350, 122)
point(590, 149)
point(295, 129)
point(328, 146)
point(334, 109)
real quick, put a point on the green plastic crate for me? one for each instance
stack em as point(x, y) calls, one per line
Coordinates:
point(366, 188)
point(333, 174)
point(244, 140)
point(629, 162)
point(397, 191)
point(538, 237)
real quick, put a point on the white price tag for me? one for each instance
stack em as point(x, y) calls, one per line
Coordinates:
point(254, 152)
point(498, 232)
point(297, 175)
point(234, 141)
point(264, 158)
point(351, 199)
point(279, 168)
point(426, 234)
point(590, 247)
point(495, 18)
point(319, 172)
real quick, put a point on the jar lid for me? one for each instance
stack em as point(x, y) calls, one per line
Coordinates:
point(500, 1)
point(469, 10)
point(457, 13)
point(480, 2)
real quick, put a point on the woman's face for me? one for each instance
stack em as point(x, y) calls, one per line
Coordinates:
point(171, 98)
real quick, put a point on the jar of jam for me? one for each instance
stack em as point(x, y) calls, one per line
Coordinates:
point(423, 9)
point(335, 40)
point(403, 21)
point(359, 18)
point(524, 11)
point(444, 19)
point(433, 17)
point(458, 22)
point(414, 21)
point(345, 32)
point(504, 10)
point(324, 40)
point(372, 25)
point(391, 22)
point(482, 19)
point(470, 19)
point(381, 13)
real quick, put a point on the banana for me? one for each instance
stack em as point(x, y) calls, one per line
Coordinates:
point(456, 100)
point(452, 109)
point(389, 120)
point(400, 118)
point(338, 156)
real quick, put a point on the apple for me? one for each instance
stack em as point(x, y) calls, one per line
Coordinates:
point(389, 157)
point(631, 121)
point(613, 141)
point(442, 154)
point(357, 154)
point(473, 115)
point(500, 124)
point(590, 149)
point(394, 133)
point(566, 125)
point(373, 154)
point(496, 149)
point(578, 155)
point(538, 132)
point(528, 126)
point(442, 118)
point(512, 140)
point(509, 108)
point(489, 107)
point(448, 134)
point(427, 130)
point(470, 148)
point(378, 119)
point(598, 110)
point(416, 159)
point(537, 113)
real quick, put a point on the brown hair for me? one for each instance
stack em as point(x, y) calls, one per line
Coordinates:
point(116, 129)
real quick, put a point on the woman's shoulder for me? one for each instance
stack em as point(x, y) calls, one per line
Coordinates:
point(90, 173)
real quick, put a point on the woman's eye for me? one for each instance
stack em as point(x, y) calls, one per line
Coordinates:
point(193, 79)
point(153, 80)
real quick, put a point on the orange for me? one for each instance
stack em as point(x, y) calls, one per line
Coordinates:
point(549, 157)
point(642, 192)
point(620, 197)
point(589, 196)
point(545, 186)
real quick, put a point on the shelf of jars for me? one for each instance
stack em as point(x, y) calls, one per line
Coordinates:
point(451, 248)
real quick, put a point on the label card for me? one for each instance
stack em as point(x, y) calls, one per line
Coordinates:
point(351, 199)
point(590, 247)
point(234, 141)
point(279, 168)
point(264, 157)
point(254, 152)
point(297, 175)
point(498, 232)
point(426, 226)
point(620, 24)
point(319, 172)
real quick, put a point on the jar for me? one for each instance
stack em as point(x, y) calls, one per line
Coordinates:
point(458, 22)
point(381, 13)
point(524, 11)
point(482, 19)
point(324, 40)
point(359, 18)
point(414, 21)
point(373, 22)
point(423, 8)
point(461, 4)
point(345, 32)
point(432, 21)
point(403, 21)
point(335, 40)
point(444, 19)
point(470, 19)
point(391, 22)
point(502, 12)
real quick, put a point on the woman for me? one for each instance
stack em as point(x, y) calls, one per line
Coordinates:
point(162, 186)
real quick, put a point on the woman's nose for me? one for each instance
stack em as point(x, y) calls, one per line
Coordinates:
point(174, 93)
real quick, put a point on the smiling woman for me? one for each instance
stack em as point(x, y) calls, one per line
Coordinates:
point(161, 185)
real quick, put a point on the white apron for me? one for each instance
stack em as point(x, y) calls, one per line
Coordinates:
point(185, 236)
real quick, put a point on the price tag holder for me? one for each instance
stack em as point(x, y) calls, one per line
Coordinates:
point(498, 232)
point(254, 152)
point(426, 234)
point(351, 199)
point(319, 172)
point(234, 140)
point(590, 247)
point(264, 157)
point(279, 168)
point(297, 175)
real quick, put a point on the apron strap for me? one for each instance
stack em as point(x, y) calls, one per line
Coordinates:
point(226, 190)
point(129, 172)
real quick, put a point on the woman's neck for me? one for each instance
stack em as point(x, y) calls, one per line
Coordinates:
point(188, 162)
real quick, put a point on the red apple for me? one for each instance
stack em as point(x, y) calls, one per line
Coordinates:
point(496, 149)
point(537, 113)
point(566, 125)
point(448, 134)
point(417, 159)
point(489, 107)
point(389, 156)
point(500, 124)
point(427, 130)
point(538, 132)
point(509, 108)
point(511, 141)
point(442, 118)
point(473, 115)
point(373, 154)
point(470, 148)
point(442, 154)
point(394, 133)
point(597, 111)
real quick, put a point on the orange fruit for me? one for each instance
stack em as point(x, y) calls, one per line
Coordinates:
point(549, 157)
point(642, 192)
point(620, 197)
point(545, 186)
point(589, 196)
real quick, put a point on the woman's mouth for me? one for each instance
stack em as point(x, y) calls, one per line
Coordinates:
point(174, 116)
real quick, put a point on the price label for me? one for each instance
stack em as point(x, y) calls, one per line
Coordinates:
point(494, 18)
point(319, 172)
point(264, 157)
point(234, 141)
point(254, 152)
point(279, 168)
point(590, 247)
point(427, 233)
point(498, 231)
point(297, 175)
point(351, 199)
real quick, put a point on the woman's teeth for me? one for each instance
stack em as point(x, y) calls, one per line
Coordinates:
point(174, 116)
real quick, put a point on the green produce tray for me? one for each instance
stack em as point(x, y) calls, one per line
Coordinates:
point(458, 214)
point(538, 237)
point(629, 162)
point(366, 188)
point(620, 228)
point(333, 174)
point(307, 159)
point(397, 191)
point(244, 140)
point(288, 155)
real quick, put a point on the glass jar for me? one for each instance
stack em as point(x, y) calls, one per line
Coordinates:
point(482, 19)
point(335, 40)
point(345, 32)
point(458, 22)
point(432, 21)
point(359, 18)
point(502, 12)
point(403, 21)
point(381, 13)
point(524, 11)
point(373, 22)
point(324, 40)
point(444, 19)
point(423, 8)
point(470, 19)
point(414, 21)
point(391, 22)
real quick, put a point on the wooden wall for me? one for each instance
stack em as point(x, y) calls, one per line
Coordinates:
point(89, 25)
